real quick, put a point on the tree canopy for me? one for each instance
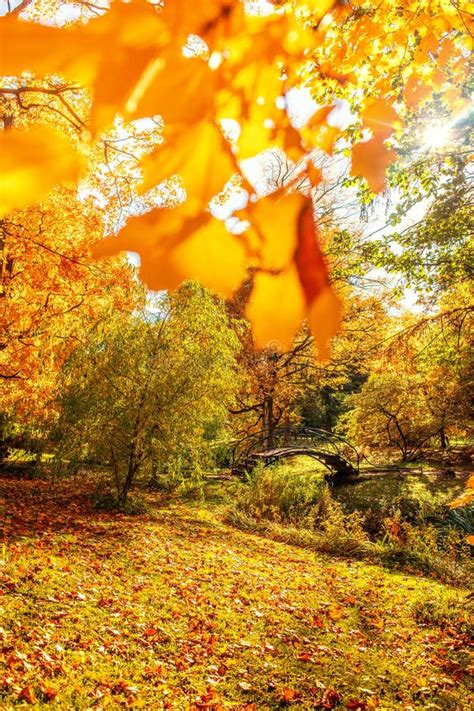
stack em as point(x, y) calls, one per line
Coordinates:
point(206, 86)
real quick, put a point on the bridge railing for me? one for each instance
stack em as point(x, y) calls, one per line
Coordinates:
point(309, 437)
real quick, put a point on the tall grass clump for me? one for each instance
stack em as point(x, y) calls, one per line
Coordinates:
point(296, 508)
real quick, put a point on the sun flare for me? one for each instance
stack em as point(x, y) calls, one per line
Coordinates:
point(436, 135)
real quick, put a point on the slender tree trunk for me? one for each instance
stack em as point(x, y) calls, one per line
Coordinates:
point(128, 481)
point(268, 420)
point(153, 482)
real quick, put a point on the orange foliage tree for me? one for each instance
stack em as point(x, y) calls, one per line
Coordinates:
point(51, 296)
point(218, 77)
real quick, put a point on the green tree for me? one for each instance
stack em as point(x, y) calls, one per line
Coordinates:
point(150, 390)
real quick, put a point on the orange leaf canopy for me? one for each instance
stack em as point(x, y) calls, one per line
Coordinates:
point(136, 59)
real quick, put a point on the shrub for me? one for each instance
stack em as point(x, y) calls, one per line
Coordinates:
point(444, 612)
point(276, 493)
point(107, 501)
point(443, 553)
point(297, 508)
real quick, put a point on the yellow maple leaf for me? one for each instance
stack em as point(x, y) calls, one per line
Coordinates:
point(276, 309)
point(254, 137)
point(26, 46)
point(200, 155)
point(174, 248)
point(274, 218)
point(32, 163)
point(130, 36)
point(180, 89)
point(110, 53)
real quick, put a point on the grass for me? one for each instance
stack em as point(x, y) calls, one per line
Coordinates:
point(399, 521)
point(174, 610)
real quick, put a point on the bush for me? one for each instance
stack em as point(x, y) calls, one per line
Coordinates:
point(426, 548)
point(277, 493)
point(107, 501)
point(297, 508)
point(417, 498)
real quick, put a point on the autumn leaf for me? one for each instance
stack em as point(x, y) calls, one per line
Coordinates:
point(25, 47)
point(27, 694)
point(180, 89)
point(380, 117)
point(370, 160)
point(356, 705)
point(32, 163)
point(336, 612)
point(49, 692)
point(466, 496)
point(173, 248)
point(324, 307)
point(109, 54)
point(275, 218)
point(200, 155)
point(314, 174)
point(129, 36)
point(416, 90)
point(330, 699)
point(185, 17)
point(276, 309)
point(288, 696)
point(317, 133)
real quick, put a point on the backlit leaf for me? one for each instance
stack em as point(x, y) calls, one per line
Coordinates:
point(32, 163)
point(180, 89)
point(380, 117)
point(275, 219)
point(276, 309)
point(173, 249)
point(200, 155)
point(324, 307)
point(370, 160)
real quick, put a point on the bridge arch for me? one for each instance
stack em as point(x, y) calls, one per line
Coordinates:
point(338, 455)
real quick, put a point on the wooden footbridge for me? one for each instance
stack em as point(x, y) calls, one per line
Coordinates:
point(267, 446)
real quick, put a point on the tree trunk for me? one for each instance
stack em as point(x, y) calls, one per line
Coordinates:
point(153, 481)
point(268, 420)
point(443, 440)
point(127, 484)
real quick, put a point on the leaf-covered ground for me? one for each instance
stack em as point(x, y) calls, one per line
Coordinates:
point(174, 610)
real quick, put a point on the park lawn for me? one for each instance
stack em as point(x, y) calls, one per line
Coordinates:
point(176, 610)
